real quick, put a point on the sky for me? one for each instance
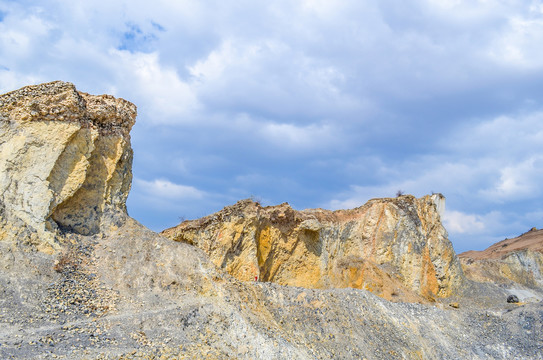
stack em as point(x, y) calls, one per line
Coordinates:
point(311, 102)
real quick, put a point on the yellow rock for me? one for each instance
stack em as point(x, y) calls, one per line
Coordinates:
point(65, 160)
point(518, 260)
point(394, 247)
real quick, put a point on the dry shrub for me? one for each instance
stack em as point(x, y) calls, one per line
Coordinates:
point(67, 261)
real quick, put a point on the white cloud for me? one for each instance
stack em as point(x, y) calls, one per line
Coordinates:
point(292, 137)
point(270, 75)
point(467, 9)
point(459, 222)
point(323, 8)
point(11, 80)
point(516, 48)
point(518, 181)
point(214, 65)
point(505, 156)
point(506, 134)
point(158, 87)
point(164, 189)
point(19, 39)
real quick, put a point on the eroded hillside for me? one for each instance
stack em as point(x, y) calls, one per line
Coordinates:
point(396, 248)
point(511, 262)
point(79, 279)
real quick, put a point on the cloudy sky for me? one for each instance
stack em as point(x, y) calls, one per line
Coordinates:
point(319, 103)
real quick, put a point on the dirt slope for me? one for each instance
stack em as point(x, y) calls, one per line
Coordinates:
point(531, 240)
point(514, 263)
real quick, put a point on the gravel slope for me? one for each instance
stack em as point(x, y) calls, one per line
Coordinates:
point(133, 294)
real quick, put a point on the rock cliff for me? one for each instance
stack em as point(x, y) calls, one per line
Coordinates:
point(65, 161)
point(395, 247)
point(508, 262)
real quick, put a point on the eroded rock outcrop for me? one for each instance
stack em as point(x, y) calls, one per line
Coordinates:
point(396, 247)
point(518, 260)
point(126, 292)
point(65, 161)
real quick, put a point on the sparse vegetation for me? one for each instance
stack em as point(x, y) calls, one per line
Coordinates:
point(256, 199)
point(399, 193)
point(66, 262)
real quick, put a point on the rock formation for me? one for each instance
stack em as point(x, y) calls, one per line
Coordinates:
point(65, 161)
point(511, 261)
point(396, 247)
point(105, 287)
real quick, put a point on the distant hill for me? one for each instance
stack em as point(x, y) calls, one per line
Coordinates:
point(516, 263)
point(531, 240)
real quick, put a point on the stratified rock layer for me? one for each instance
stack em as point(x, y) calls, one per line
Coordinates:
point(65, 161)
point(396, 247)
point(518, 260)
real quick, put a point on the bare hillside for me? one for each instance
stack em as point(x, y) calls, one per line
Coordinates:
point(80, 279)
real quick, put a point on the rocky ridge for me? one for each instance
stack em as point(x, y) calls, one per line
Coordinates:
point(509, 262)
point(111, 289)
point(395, 247)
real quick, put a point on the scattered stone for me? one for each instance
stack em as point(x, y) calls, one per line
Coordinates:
point(512, 299)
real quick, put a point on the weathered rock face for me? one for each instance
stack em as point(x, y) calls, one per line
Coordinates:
point(396, 248)
point(65, 161)
point(126, 292)
point(518, 260)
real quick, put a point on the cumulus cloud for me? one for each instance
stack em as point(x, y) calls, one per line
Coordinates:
point(507, 135)
point(290, 136)
point(165, 189)
point(253, 75)
point(459, 222)
point(515, 48)
point(163, 203)
point(518, 181)
point(157, 86)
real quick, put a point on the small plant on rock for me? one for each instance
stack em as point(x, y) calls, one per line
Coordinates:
point(66, 262)
point(256, 199)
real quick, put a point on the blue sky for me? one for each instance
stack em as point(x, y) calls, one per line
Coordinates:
point(316, 103)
